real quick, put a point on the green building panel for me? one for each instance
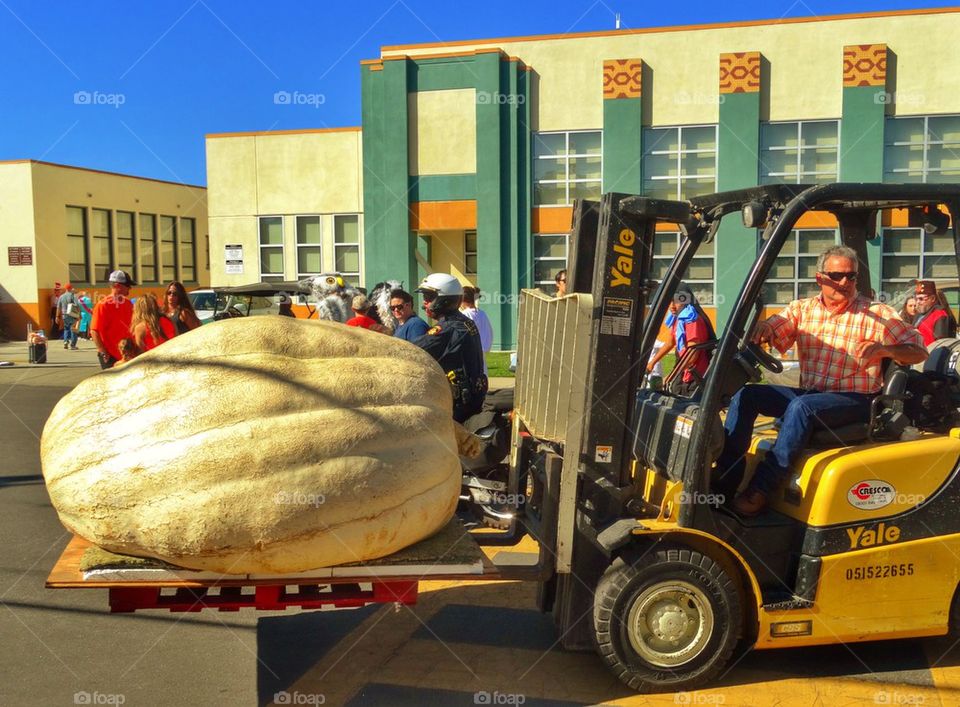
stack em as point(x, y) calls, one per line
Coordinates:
point(738, 147)
point(622, 145)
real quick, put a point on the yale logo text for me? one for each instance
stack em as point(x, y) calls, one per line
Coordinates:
point(881, 534)
point(624, 266)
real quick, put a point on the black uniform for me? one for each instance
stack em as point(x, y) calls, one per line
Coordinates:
point(455, 343)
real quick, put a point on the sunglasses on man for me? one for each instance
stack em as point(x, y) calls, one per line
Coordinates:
point(839, 276)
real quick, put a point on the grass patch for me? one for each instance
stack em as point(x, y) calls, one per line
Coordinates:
point(498, 365)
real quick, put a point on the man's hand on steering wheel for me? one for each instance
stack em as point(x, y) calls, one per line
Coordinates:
point(762, 333)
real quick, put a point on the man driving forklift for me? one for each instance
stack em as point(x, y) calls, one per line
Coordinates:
point(841, 338)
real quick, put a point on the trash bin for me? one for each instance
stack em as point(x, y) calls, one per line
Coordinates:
point(38, 353)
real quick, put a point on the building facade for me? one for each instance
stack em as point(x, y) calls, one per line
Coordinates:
point(472, 153)
point(69, 224)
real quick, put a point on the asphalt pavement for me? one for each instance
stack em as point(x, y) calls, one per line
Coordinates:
point(462, 644)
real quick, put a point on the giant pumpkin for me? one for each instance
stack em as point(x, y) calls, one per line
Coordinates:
point(258, 445)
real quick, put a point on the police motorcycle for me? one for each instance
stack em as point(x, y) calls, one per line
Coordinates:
point(484, 497)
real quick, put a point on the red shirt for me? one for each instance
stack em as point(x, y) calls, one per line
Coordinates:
point(111, 320)
point(166, 328)
point(362, 320)
point(696, 332)
point(826, 342)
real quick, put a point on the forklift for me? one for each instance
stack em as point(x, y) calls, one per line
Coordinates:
point(641, 555)
point(651, 566)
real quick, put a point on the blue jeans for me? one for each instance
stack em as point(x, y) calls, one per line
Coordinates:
point(801, 411)
point(69, 335)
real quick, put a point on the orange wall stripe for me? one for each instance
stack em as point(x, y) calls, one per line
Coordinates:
point(443, 215)
point(817, 219)
point(554, 219)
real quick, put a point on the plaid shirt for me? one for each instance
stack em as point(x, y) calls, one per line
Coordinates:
point(826, 343)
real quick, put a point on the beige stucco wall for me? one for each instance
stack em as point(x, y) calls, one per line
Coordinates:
point(55, 187)
point(17, 283)
point(443, 131)
point(682, 68)
point(447, 254)
point(280, 174)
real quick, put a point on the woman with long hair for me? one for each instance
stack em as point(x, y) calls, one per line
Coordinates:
point(148, 326)
point(909, 309)
point(178, 308)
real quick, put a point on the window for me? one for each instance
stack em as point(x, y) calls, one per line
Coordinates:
point(470, 252)
point(308, 246)
point(909, 254)
point(148, 248)
point(922, 149)
point(567, 166)
point(125, 244)
point(168, 248)
point(77, 243)
point(549, 258)
point(680, 162)
point(793, 275)
point(188, 252)
point(346, 247)
point(700, 273)
point(801, 152)
point(271, 249)
point(102, 252)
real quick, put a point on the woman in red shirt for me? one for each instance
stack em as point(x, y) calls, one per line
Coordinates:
point(148, 326)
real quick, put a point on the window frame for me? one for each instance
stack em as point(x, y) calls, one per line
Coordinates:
point(131, 267)
point(778, 177)
point(298, 245)
point(680, 153)
point(358, 245)
point(694, 283)
point(274, 277)
point(893, 297)
point(86, 246)
point(162, 264)
point(178, 235)
point(925, 169)
point(154, 248)
point(565, 260)
point(467, 254)
point(566, 156)
point(109, 238)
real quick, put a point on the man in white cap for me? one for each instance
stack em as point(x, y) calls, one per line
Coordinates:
point(111, 319)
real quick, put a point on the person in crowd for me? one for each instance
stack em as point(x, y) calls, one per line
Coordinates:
point(842, 338)
point(561, 282)
point(469, 309)
point(909, 309)
point(655, 367)
point(933, 319)
point(178, 308)
point(54, 314)
point(688, 324)
point(455, 343)
point(148, 326)
point(127, 352)
point(411, 327)
point(361, 318)
point(111, 319)
point(86, 311)
point(68, 314)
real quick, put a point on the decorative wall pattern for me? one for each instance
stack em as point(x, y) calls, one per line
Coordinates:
point(622, 78)
point(740, 72)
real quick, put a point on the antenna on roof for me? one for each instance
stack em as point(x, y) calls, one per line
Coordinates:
point(618, 21)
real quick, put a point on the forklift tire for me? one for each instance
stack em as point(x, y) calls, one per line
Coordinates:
point(667, 620)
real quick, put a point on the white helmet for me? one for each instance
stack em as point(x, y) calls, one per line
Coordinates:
point(441, 284)
point(442, 293)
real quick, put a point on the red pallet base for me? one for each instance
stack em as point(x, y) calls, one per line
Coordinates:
point(264, 597)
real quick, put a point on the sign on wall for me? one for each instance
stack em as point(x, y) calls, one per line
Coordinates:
point(233, 259)
point(20, 255)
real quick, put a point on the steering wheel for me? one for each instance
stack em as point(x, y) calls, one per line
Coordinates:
point(764, 359)
point(234, 311)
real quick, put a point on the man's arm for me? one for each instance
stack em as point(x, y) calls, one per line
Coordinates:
point(941, 327)
point(907, 354)
point(780, 330)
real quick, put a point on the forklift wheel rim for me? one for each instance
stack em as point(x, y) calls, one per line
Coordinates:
point(670, 623)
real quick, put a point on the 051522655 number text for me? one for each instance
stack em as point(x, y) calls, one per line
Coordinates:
point(879, 571)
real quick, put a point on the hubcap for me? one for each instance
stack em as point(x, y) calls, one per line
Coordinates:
point(670, 623)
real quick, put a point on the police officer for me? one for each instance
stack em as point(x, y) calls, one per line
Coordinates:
point(454, 342)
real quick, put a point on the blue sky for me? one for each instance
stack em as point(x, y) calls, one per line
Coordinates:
point(133, 86)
